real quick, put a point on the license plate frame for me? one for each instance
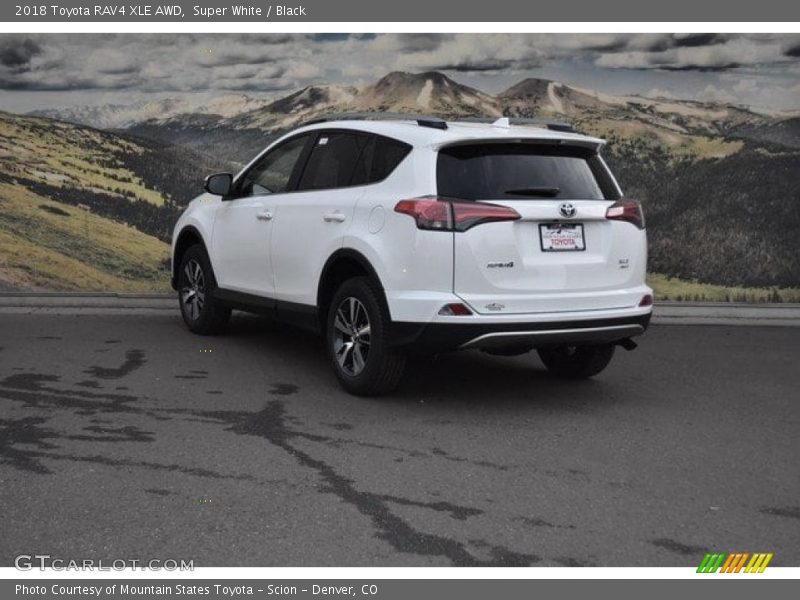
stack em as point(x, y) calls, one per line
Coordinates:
point(577, 227)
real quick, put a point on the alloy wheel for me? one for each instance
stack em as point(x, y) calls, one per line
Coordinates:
point(351, 339)
point(193, 292)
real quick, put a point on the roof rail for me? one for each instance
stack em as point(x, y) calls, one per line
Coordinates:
point(422, 120)
point(552, 125)
point(437, 122)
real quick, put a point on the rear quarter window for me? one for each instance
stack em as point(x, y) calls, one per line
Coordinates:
point(380, 157)
point(523, 171)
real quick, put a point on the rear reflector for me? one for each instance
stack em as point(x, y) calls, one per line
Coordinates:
point(455, 310)
point(626, 210)
point(647, 300)
point(442, 214)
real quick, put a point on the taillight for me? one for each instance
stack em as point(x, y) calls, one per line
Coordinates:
point(442, 214)
point(626, 210)
point(647, 300)
point(429, 213)
point(470, 214)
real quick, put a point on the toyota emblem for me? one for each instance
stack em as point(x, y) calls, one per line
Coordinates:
point(567, 210)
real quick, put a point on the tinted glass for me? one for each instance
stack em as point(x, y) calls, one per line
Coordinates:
point(332, 161)
point(380, 157)
point(272, 174)
point(522, 172)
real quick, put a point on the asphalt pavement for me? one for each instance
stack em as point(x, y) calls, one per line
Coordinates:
point(123, 436)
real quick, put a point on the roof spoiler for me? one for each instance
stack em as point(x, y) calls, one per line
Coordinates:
point(505, 122)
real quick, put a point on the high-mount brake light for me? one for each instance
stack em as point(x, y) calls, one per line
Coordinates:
point(628, 211)
point(444, 214)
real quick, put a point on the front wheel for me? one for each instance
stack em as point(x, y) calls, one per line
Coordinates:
point(201, 312)
point(576, 362)
point(357, 340)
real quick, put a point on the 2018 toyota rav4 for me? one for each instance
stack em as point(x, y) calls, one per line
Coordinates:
point(397, 234)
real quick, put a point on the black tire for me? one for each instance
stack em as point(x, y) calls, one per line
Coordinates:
point(576, 362)
point(201, 311)
point(381, 367)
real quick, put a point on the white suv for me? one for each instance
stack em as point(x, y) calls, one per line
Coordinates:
point(397, 234)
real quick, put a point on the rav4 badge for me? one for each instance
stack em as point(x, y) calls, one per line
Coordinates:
point(500, 265)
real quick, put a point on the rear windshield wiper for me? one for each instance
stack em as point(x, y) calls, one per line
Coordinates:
point(535, 191)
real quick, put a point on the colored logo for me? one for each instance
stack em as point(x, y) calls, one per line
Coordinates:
point(735, 562)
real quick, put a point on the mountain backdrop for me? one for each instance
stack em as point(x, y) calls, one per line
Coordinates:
point(88, 195)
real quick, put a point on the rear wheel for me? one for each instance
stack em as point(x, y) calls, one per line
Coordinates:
point(201, 312)
point(357, 340)
point(576, 362)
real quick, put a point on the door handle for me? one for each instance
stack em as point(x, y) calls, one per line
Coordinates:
point(334, 217)
point(264, 215)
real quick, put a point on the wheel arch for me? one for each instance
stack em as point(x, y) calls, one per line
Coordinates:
point(343, 264)
point(188, 237)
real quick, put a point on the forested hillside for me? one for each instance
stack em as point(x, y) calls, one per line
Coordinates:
point(86, 209)
point(730, 221)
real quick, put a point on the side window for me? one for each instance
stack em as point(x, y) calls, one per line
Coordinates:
point(332, 161)
point(272, 174)
point(380, 157)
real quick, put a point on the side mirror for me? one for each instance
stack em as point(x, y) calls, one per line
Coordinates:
point(219, 184)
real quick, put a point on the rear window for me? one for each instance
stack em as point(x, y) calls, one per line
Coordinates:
point(522, 172)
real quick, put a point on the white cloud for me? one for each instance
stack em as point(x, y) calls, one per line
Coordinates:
point(732, 53)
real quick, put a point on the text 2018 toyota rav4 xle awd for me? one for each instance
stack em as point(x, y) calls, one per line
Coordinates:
point(398, 234)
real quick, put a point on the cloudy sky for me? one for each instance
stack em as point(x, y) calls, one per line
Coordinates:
point(57, 70)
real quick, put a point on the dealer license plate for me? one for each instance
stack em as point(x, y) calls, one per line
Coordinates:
point(561, 237)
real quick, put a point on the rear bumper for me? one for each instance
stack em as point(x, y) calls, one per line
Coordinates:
point(443, 337)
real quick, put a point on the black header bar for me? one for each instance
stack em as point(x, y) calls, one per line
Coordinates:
point(339, 11)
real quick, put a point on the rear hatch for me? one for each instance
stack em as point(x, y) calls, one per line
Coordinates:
point(562, 253)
